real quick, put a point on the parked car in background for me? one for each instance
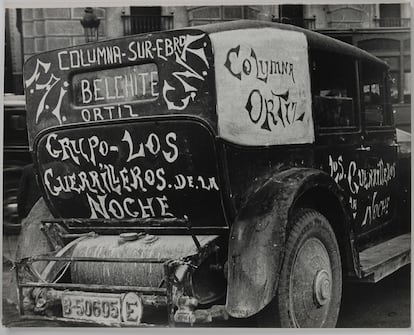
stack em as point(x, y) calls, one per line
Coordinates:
point(15, 157)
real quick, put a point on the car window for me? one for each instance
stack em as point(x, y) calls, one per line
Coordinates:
point(376, 111)
point(333, 90)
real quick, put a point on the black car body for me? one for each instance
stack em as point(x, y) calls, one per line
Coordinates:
point(240, 149)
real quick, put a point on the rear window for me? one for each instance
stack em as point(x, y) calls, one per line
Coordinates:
point(146, 75)
point(126, 84)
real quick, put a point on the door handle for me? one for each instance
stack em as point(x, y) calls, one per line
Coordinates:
point(362, 148)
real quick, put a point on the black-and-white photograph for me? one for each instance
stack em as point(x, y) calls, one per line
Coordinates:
point(223, 165)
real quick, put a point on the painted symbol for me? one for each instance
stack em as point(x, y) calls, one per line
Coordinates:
point(46, 87)
point(36, 73)
point(184, 77)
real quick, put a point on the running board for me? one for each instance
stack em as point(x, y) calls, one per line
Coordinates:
point(385, 258)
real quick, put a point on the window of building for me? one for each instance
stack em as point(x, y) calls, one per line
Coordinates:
point(233, 12)
point(379, 44)
point(294, 14)
point(390, 15)
point(291, 11)
point(391, 10)
point(407, 72)
point(376, 108)
point(211, 14)
point(8, 70)
point(146, 19)
point(334, 90)
point(147, 10)
point(407, 87)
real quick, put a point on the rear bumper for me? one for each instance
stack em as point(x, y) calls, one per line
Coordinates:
point(40, 300)
point(44, 300)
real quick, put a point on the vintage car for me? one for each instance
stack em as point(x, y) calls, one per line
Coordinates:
point(15, 157)
point(18, 172)
point(225, 171)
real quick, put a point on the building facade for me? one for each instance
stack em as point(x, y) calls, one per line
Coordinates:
point(382, 29)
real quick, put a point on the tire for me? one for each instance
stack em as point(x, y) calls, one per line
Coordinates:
point(310, 282)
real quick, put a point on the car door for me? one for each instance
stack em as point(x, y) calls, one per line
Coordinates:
point(378, 175)
point(337, 114)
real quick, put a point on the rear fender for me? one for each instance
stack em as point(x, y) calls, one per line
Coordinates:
point(257, 238)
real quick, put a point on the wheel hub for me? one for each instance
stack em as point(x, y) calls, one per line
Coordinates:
point(322, 287)
point(311, 285)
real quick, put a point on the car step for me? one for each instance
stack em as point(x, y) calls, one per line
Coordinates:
point(385, 258)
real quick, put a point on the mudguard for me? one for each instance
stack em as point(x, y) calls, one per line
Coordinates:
point(257, 238)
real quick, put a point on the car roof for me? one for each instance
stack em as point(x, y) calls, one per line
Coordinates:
point(316, 41)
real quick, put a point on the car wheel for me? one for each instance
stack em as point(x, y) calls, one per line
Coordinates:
point(310, 282)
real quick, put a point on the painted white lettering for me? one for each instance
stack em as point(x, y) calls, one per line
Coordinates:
point(97, 206)
point(160, 173)
point(86, 92)
point(171, 139)
point(46, 177)
point(86, 116)
point(131, 153)
point(62, 60)
point(145, 208)
point(52, 152)
point(126, 203)
point(179, 182)
point(213, 184)
point(163, 202)
point(96, 89)
point(154, 83)
point(116, 209)
point(132, 50)
point(352, 170)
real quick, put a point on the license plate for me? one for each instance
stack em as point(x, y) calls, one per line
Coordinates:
point(102, 307)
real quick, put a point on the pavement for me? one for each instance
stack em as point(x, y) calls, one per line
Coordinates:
point(385, 304)
point(382, 305)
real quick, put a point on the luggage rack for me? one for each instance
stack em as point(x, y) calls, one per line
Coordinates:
point(165, 293)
